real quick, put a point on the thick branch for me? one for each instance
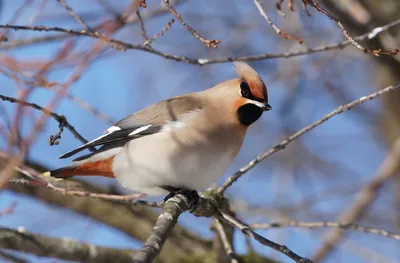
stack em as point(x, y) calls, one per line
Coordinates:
point(11, 258)
point(62, 248)
point(166, 221)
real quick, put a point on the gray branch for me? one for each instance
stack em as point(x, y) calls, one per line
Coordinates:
point(166, 221)
point(62, 248)
point(206, 207)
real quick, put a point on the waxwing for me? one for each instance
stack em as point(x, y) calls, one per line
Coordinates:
point(185, 142)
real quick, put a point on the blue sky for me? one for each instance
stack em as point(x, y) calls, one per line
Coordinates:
point(124, 82)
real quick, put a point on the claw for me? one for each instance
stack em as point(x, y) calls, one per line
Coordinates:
point(191, 195)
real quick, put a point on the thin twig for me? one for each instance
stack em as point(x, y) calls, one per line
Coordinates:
point(376, 52)
point(142, 28)
point(209, 43)
point(142, 3)
point(324, 224)
point(75, 15)
point(160, 34)
point(290, 5)
point(9, 210)
point(14, 18)
point(120, 45)
point(131, 199)
point(61, 119)
point(277, 30)
point(225, 241)
point(266, 242)
point(278, 7)
point(301, 132)
point(86, 106)
point(37, 180)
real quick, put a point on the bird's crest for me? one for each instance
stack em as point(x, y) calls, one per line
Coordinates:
point(254, 80)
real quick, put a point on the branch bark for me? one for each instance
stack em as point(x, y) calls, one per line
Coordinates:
point(162, 229)
point(62, 248)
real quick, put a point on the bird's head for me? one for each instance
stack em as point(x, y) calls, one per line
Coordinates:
point(245, 98)
point(250, 97)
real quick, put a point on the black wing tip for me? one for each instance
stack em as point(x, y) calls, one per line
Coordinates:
point(70, 153)
point(65, 155)
point(116, 136)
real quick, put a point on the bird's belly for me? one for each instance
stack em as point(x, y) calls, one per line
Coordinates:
point(147, 163)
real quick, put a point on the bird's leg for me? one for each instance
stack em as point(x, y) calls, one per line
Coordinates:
point(191, 195)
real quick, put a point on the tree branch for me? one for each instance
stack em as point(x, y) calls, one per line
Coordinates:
point(303, 131)
point(203, 61)
point(11, 258)
point(62, 248)
point(324, 224)
point(206, 207)
point(353, 41)
point(131, 199)
point(167, 220)
point(159, 34)
point(142, 28)
point(209, 43)
point(262, 240)
point(61, 119)
point(277, 30)
point(225, 241)
point(74, 15)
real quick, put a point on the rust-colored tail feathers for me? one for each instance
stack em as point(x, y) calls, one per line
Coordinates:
point(99, 168)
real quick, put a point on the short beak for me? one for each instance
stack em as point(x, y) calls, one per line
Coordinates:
point(267, 107)
point(264, 106)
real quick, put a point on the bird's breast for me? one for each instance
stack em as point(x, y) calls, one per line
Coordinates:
point(192, 158)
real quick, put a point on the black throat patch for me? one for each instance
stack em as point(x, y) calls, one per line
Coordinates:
point(249, 113)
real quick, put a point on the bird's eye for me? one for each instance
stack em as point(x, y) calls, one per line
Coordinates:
point(245, 90)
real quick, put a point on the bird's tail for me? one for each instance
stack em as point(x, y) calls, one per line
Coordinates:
point(99, 168)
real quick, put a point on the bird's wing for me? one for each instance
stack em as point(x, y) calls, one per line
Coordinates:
point(142, 123)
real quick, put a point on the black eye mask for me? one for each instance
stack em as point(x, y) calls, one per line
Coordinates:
point(249, 113)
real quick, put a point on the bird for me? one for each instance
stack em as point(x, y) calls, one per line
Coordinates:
point(184, 143)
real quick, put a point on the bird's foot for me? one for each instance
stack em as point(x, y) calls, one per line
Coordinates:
point(191, 196)
point(196, 204)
